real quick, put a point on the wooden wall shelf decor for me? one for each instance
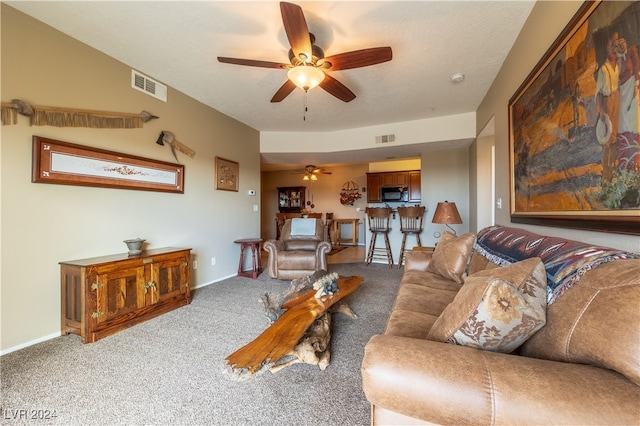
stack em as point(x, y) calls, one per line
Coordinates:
point(71, 117)
point(70, 164)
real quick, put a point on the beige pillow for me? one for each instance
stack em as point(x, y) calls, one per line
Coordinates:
point(496, 309)
point(451, 256)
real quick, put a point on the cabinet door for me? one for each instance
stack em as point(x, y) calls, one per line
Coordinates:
point(169, 278)
point(415, 191)
point(291, 199)
point(373, 188)
point(119, 293)
point(401, 178)
point(388, 179)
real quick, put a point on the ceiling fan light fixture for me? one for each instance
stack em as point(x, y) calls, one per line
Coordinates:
point(310, 176)
point(306, 76)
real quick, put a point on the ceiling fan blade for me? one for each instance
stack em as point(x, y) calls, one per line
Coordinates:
point(252, 63)
point(283, 91)
point(337, 89)
point(296, 28)
point(359, 58)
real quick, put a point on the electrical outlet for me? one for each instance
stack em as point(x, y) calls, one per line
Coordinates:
point(195, 264)
point(213, 261)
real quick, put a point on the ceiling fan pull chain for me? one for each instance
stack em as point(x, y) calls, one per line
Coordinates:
point(304, 117)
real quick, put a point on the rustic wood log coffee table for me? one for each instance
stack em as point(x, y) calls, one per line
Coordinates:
point(283, 335)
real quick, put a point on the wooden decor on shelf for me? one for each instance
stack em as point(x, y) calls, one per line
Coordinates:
point(71, 117)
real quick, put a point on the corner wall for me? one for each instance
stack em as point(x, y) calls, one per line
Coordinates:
point(43, 224)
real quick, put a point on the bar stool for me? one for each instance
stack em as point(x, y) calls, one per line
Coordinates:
point(379, 218)
point(410, 224)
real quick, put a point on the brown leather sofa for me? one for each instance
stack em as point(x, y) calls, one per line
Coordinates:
point(296, 256)
point(582, 367)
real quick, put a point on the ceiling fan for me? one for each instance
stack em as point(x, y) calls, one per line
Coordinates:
point(311, 172)
point(308, 66)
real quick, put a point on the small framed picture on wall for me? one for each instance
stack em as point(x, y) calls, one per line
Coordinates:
point(227, 175)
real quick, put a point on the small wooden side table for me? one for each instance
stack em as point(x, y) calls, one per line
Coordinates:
point(337, 231)
point(254, 243)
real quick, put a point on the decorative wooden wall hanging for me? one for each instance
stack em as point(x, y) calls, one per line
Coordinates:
point(71, 117)
point(169, 139)
point(65, 163)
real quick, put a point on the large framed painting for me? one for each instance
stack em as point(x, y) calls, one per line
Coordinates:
point(71, 164)
point(573, 143)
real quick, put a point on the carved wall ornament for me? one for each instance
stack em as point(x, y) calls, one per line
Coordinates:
point(71, 117)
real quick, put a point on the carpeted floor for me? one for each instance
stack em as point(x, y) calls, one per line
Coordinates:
point(171, 370)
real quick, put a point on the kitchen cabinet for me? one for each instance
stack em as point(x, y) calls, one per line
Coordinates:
point(394, 178)
point(415, 190)
point(377, 181)
point(104, 295)
point(374, 183)
point(291, 199)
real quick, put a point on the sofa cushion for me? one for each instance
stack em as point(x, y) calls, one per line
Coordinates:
point(451, 256)
point(496, 309)
point(479, 263)
point(409, 324)
point(427, 300)
point(596, 323)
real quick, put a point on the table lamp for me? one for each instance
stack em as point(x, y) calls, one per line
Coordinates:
point(447, 213)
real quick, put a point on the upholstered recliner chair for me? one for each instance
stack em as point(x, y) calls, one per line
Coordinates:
point(300, 251)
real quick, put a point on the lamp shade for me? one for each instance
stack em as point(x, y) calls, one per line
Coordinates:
point(446, 213)
point(306, 76)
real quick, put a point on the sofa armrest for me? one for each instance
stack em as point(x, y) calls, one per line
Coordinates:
point(448, 384)
point(272, 247)
point(323, 249)
point(417, 260)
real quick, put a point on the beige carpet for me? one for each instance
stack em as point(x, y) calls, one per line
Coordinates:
point(171, 370)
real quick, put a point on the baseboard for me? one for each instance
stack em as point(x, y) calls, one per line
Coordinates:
point(30, 343)
point(213, 282)
point(58, 334)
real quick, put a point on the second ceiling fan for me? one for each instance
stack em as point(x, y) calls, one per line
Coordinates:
point(311, 172)
point(308, 67)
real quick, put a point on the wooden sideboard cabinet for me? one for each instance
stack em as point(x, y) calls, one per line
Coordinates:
point(104, 295)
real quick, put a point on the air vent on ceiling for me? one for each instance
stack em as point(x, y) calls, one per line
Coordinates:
point(386, 138)
point(148, 85)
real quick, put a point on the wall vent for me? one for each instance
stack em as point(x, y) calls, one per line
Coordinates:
point(148, 85)
point(386, 138)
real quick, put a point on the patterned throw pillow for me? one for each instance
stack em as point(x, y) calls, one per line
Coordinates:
point(496, 309)
point(451, 256)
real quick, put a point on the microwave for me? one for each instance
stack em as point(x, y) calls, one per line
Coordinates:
point(395, 194)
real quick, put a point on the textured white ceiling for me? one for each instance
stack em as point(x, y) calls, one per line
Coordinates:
point(177, 43)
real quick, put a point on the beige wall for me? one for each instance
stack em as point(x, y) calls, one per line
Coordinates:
point(546, 22)
point(445, 177)
point(44, 224)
